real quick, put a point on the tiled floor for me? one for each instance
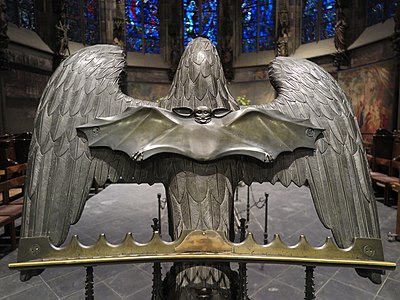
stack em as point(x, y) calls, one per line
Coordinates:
point(122, 208)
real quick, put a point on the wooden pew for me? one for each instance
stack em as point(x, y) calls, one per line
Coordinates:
point(16, 175)
point(384, 148)
point(386, 181)
point(9, 213)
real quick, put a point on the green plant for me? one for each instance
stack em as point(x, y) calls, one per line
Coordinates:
point(159, 100)
point(243, 100)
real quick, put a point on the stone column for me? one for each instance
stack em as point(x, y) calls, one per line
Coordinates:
point(396, 46)
point(226, 39)
point(4, 40)
point(295, 16)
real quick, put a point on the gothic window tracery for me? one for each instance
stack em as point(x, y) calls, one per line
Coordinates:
point(200, 18)
point(318, 20)
point(258, 25)
point(83, 21)
point(380, 10)
point(142, 26)
point(21, 13)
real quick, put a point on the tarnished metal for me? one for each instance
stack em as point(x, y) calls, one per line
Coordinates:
point(309, 289)
point(200, 245)
point(142, 132)
point(199, 180)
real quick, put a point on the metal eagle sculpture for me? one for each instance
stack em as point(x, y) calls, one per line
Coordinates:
point(199, 144)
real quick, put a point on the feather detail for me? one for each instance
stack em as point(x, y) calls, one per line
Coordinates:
point(337, 172)
point(61, 167)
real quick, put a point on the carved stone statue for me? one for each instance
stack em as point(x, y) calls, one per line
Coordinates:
point(340, 30)
point(199, 144)
point(283, 33)
point(63, 51)
point(340, 57)
point(118, 32)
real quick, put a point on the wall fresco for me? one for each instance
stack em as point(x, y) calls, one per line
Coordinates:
point(371, 92)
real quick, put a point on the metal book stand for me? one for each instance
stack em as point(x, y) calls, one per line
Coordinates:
point(201, 246)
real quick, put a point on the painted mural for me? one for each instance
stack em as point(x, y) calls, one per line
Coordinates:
point(371, 91)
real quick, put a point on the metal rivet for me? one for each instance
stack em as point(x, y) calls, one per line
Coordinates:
point(35, 249)
point(368, 250)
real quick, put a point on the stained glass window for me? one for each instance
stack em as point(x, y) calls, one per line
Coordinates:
point(21, 13)
point(258, 25)
point(83, 21)
point(142, 26)
point(380, 10)
point(200, 18)
point(318, 20)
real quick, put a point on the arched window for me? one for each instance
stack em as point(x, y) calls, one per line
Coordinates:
point(258, 25)
point(380, 10)
point(83, 21)
point(142, 26)
point(21, 13)
point(200, 18)
point(318, 21)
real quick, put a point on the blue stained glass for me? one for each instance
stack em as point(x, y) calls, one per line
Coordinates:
point(249, 45)
point(375, 12)
point(328, 21)
point(209, 29)
point(151, 46)
point(310, 20)
point(266, 42)
point(21, 13)
point(83, 21)
point(392, 8)
point(133, 3)
point(319, 20)
point(74, 33)
point(200, 19)
point(250, 31)
point(258, 25)
point(142, 26)
point(209, 5)
point(246, 3)
point(250, 14)
point(380, 10)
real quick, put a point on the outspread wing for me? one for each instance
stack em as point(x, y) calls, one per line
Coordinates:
point(337, 172)
point(61, 168)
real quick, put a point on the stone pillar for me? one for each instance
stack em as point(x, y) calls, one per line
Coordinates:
point(174, 35)
point(396, 46)
point(295, 16)
point(4, 40)
point(226, 39)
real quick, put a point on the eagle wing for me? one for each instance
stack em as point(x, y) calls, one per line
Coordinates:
point(337, 172)
point(61, 167)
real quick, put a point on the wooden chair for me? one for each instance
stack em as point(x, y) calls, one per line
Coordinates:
point(16, 176)
point(9, 213)
point(15, 171)
point(396, 188)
